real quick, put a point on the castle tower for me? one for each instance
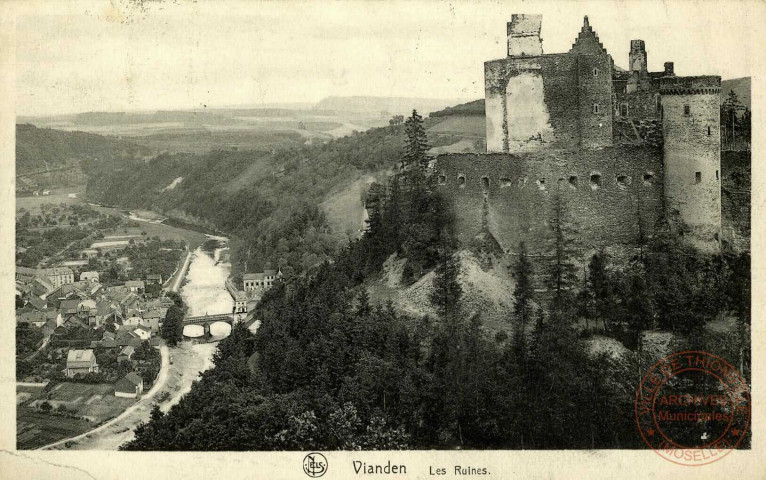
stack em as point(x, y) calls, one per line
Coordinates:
point(692, 156)
point(637, 66)
point(524, 35)
point(637, 57)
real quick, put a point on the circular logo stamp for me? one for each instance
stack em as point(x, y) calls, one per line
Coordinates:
point(314, 465)
point(693, 408)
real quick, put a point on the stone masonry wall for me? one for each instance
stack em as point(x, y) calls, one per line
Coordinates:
point(531, 103)
point(548, 101)
point(596, 91)
point(692, 146)
point(606, 193)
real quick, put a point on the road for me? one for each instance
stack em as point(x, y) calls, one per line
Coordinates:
point(182, 272)
point(146, 399)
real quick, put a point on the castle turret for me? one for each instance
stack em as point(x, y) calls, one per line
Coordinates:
point(692, 155)
point(669, 70)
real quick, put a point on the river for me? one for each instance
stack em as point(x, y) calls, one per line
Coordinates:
point(205, 290)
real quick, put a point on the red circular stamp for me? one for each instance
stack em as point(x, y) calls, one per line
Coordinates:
point(693, 408)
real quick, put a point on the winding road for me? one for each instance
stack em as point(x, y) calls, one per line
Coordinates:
point(181, 273)
point(162, 377)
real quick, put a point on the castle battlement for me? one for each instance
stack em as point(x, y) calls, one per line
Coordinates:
point(707, 84)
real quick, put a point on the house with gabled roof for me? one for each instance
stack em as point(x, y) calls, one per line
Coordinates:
point(80, 362)
point(260, 281)
point(126, 354)
point(153, 319)
point(34, 318)
point(68, 308)
point(55, 315)
point(36, 302)
point(143, 332)
point(49, 327)
point(91, 276)
point(135, 286)
point(41, 287)
point(130, 386)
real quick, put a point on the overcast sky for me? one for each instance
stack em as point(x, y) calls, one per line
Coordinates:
point(101, 58)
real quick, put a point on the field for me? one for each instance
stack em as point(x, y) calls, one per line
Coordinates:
point(473, 126)
point(165, 232)
point(32, 204)
point(87, 406)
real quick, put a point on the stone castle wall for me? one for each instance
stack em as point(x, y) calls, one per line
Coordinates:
point(606, 193)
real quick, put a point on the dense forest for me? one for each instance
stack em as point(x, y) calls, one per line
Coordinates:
point(329, 370)
point(43, 148)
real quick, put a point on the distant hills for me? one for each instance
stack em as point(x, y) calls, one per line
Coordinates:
point(741, 87)
point(365, 105)
point(475, 107)
point(40, 149)
point(391, 105)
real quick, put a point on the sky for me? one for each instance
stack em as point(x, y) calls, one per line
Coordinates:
point(113, 56)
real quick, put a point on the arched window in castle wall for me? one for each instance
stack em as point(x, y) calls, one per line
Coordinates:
point(442, 179)
point(461, 180)
point(485, 183)
point(541, 184)
point(649, 178)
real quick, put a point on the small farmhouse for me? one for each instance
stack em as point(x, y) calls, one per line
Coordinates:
point(130, 386)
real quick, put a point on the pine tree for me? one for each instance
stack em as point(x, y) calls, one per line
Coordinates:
point(363, 303)
point(523, 294)
point(416, 142)
point(600, 286)
point(562, 274)
point(447, 290)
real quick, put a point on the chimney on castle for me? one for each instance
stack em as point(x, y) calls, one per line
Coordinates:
point(669, 72)
point(524, 35)
point(637, 57)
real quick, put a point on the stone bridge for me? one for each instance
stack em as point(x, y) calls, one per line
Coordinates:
point(207, 320)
